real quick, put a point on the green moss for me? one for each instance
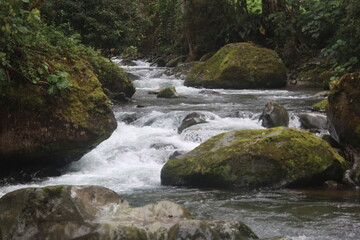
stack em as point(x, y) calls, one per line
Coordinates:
point(320, 106)
point(240, 65)
point(111, 76)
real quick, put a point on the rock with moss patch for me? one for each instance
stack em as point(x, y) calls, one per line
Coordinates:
point(168, 92)
point(274, 115)
point(344, 120)
point(276, 157)
point(39, 130)
point(113, 78)
point(96, 213)
point(320, 106)
point(239, 66)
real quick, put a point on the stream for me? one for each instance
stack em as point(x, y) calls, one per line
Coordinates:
point(130, 161)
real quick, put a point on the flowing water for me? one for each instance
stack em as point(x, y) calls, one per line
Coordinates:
point(129, 162)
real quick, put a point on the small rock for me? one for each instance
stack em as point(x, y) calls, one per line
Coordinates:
point(168, 92)
point(274, 115)
point(190, 120)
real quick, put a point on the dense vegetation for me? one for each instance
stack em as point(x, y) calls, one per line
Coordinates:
point(326, 30)
point(33, 52)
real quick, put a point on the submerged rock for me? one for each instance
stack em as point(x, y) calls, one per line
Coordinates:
point(344, 120)
point(38, 130)
point(277, 157)
point(274, 115)
point(239, 66)
point(313, 121)
point(97, 213)
point(190, 120)
point(168, 92)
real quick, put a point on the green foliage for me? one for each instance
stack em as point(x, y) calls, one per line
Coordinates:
point(107, 25)
point(28, 48)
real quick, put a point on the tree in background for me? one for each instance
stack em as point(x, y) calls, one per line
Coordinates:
point(107, 25)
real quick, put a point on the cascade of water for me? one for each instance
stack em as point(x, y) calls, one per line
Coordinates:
point(129, 162)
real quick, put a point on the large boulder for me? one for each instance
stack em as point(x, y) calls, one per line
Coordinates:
point(239, 66)
point(276, 157)
point(97, 213)
point(344, 120)
point(313, 121)
point(38, 129)
point(274, 115)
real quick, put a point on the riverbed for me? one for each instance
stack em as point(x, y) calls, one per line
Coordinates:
point(130, 161)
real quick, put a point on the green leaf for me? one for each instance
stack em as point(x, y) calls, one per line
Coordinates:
point(52, 78)
point(52, 90)
point(63, 84)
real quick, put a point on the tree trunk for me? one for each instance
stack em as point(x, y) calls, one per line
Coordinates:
point(272, 6)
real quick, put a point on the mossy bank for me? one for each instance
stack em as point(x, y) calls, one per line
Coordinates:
point(39, 129)
point(277, 157)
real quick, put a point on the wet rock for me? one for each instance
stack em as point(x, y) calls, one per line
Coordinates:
point(129, 117)
point(97, 213)
point(132, 76)
point(274, 115)
point(181, 70)
point(128, 62)
point(344, 121)
point(209, 92)
point(190, 120)
point(276, 157)
point(313, 121)
point(239, 66)
point(162, 146)
point(241, 114)
point(176, 61)
point(168, 92)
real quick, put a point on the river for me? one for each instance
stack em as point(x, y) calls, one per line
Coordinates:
point(129, 162)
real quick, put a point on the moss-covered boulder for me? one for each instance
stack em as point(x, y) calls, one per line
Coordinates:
point(239, 66)
point(97, 213)
point(168, 92)
point(38, 129)
point(344, 120)
point(116, 83)
point(276, 157)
